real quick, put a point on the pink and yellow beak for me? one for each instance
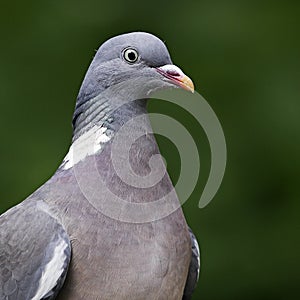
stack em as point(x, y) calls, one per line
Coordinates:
point(175, 74)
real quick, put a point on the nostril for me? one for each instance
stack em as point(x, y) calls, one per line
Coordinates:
point(173, 73)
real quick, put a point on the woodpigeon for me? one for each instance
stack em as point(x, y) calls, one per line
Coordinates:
point(92, 231)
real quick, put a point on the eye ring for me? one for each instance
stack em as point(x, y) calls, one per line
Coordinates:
point(130, 55)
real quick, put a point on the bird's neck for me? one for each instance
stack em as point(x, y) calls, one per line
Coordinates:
point(97, 122)
point(121, 150)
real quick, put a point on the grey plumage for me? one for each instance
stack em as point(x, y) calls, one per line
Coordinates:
point(29, 236)
point(111, 259)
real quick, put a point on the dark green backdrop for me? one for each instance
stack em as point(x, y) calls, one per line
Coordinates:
point(244, 58)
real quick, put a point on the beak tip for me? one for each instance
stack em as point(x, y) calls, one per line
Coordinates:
point(188, 84)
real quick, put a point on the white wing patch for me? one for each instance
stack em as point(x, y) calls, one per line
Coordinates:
point(87, 144)
point(198, 257)
point(52, 271)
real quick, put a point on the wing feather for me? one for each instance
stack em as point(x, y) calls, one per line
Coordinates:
point(194, 269)
point(35, 253)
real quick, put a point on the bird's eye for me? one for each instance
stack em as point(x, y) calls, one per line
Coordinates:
point(130, 55)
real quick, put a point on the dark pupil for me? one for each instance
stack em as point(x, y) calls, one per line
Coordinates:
point(131, 56)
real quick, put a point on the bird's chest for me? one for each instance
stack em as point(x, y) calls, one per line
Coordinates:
point(114, 260)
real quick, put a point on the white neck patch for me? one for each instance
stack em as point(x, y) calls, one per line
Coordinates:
point(87, 144)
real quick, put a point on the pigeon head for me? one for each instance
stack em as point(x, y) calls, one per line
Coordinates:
point(131, 66)
point(128, 57)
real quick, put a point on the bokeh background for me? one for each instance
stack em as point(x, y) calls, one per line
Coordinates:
point(244, 58)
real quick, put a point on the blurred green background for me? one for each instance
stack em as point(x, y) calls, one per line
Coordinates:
point(244, 58)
